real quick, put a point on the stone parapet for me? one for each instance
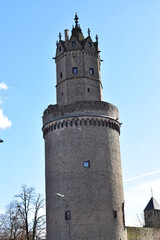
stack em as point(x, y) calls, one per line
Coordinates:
point(82, 107)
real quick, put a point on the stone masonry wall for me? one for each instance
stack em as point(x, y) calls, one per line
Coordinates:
point(137, 233)
point(93, 195)
point(81, 86)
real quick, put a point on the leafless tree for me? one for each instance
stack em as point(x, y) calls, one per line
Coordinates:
point(30, 205)
point(24, 218)
point(10, 223)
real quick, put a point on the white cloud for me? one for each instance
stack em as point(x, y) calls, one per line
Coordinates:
point(3, 86)
point(4, 121)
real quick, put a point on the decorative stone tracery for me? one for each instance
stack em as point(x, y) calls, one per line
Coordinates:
point(72, 122)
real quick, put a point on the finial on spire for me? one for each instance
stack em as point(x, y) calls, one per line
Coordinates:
point(76, 19)
point(151, 192)
point(89, 31)
point(96, 38)
point(60, 36)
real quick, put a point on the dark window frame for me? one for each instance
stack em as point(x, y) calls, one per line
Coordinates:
point(91, 71)
point(75, 70)
point(86, 164)
point(115, 214)
point(89, 44)
point(73, 43)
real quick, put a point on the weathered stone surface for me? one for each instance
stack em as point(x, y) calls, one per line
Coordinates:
point(82, 128)
point(91, 194)
point(138, 233)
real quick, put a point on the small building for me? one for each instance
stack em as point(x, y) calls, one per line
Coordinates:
point(152, 214)
point(151, 229)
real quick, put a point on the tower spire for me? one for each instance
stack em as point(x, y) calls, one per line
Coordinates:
point(60, 36)
point(96, 38)
point(151, 192)
point(89, 31)
point(76, 19)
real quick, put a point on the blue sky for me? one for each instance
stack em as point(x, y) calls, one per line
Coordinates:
point(129, 37)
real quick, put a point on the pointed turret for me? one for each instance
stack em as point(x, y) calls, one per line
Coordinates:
point(152, 214)
point(77, 31)
point(152, 205)
point(78, 67)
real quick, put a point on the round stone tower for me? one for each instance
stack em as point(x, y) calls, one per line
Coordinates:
point(84, 191)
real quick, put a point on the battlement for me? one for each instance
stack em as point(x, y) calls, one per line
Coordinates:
point(86, 107)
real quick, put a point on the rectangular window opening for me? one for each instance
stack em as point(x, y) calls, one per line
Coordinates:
point(74, 70)
point(86, 164)
point(115, 214)
point(91, 71)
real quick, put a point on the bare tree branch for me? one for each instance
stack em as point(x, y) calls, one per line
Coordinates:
point(23, 219)
point(140, 218)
